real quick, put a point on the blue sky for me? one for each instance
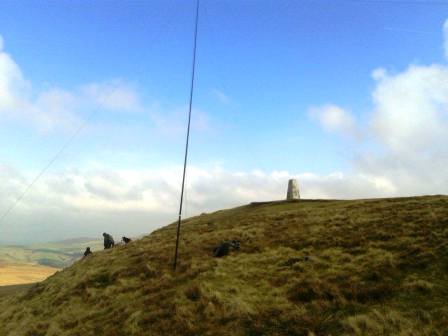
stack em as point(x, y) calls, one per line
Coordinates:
point(282, 86)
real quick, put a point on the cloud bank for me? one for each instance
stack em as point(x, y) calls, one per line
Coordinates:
point(134, 201)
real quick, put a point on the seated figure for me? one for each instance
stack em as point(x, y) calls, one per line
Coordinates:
point(223, 249)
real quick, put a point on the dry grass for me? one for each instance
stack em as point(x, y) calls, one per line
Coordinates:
point(13, 289)
point(22, 274)
point(363, 267)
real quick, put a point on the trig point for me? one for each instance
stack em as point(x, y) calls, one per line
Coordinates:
point(293, 190)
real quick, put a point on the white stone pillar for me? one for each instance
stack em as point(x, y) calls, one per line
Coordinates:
point(293, 190)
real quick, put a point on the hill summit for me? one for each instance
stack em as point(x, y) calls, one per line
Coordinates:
point(308, 267)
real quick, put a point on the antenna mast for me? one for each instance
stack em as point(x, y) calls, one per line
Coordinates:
point(188, 135)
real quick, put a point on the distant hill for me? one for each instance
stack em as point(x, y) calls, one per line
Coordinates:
point(358, 267)
point(54, 254)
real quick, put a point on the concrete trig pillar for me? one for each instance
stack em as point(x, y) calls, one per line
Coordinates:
point(293, 190)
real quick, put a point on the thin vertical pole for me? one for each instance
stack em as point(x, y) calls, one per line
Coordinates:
point(188, 135)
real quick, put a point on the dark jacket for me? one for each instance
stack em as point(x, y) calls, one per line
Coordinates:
point(108, 241)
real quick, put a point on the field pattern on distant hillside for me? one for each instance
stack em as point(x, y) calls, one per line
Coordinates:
point(55, 254)
point(22, 274)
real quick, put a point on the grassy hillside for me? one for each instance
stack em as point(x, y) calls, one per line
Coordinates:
point(54, 254)
point(13, 289)
point(362, 267)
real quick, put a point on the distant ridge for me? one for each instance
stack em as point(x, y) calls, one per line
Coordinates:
point(58, 254)
point(74, 240)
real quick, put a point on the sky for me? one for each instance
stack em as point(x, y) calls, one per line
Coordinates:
point(348, 96)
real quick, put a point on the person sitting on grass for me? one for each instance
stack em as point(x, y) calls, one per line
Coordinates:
point(224, 247)
point(87, 252)
point(108, 241)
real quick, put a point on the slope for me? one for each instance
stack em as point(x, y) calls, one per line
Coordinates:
point(359, 267)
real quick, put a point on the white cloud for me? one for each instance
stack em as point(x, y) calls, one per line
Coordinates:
point(77, 202)
point(13, 86)
point(59, 109)
point(409, 126)
point(335, 119)
point(113, 95)
point(56, 108)
point(408, 131)
point(52, 109)
point(48, 109)
point(411, 109)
